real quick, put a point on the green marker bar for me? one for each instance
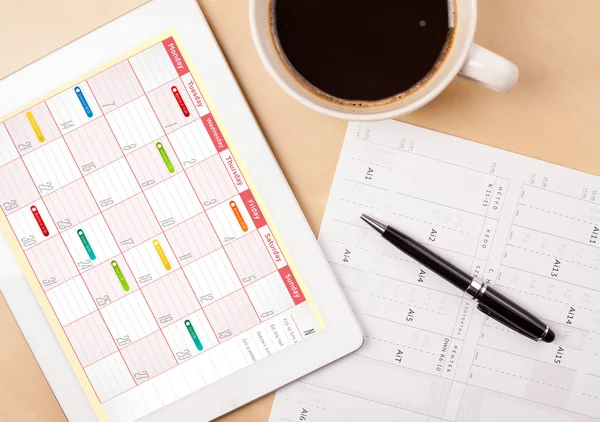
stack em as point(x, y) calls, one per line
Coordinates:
point(165, 157)
point(193, 334)
point(120, 275)
point(86, 244)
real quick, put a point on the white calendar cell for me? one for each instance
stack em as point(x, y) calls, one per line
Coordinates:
point(153, 67)
point(154, 163)
point(52, 167)
point(135, 125)
point(110, 377)
point(90, 338)
point(132, 222)
point(231, 220)
point(74, 107)
point(269, 296)
point(90, 243)
point(93, 146)
point(129, 319)
point(32, 225)
point(211, 182)
point(192, 143)
point(8, 150)
point(52, 263)
point(115, 86)
point(71, 301)
point(113, 184)
point(17, 189)
point(212, 277)
point(181, 340)
point(151, 260)
point(71, 205)
point(32, 129)
point(173, 105)
point(174, 201)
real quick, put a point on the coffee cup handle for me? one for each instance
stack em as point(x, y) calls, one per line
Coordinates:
point(490, 69)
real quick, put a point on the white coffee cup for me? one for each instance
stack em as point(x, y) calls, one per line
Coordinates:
point(464, 58)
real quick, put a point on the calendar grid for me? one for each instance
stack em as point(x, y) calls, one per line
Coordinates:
point(157, 250)
point(204, 210)
point(59, 234)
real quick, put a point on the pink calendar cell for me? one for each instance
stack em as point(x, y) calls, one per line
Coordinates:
point(211, 182)
point(153, 67)
point(110, 281)
point(52, 263)
point(151, 260)
point(90, 243)
point(129, 319)
point(231, 315)
point(32, 129)
point(181, 340)
point(71, 301)
point(250, 258)
point(132, 222)
point(212, 277)
point(73, 108)
point(93, 146)
point(171, 298)
point(71, 205)
point(173, 201)
point(154, 163)
point(32, 225)
point(113, 184)
point(193, 239)
point(115, 86)
point(269, 296)
point(17, 189)
point(173, 105)
point(90, 339)
point(231, 220)
point(135, 125)
point(52, 167)
point(110, 377)
point(148, 357)
point(192, 143)
point(8, 150)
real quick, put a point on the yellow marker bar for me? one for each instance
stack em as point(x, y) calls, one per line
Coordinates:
point(35, 126)
point(161, 254)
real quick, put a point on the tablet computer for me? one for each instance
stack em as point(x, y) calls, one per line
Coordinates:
point(169, 272)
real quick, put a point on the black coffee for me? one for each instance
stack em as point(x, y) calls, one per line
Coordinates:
point(361, 51)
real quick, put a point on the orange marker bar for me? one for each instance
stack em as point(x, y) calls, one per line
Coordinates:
point(35, 126)
point(238, 215)
point(161, 254)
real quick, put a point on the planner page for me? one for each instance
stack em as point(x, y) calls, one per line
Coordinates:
point(529, 228)
point(151, 252)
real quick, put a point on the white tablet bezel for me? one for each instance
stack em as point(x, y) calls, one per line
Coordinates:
point(342, 334)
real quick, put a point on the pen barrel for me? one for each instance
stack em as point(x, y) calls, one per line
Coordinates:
point(505, 311)
point(429, 259)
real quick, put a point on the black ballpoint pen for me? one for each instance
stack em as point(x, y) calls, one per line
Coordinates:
point(489, 301)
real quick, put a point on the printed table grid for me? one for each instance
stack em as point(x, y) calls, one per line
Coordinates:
point(91, 144)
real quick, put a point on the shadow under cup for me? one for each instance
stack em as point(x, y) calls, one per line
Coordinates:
point(449, 63)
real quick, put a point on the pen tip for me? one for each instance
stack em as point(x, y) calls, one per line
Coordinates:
point(380, 227)
point(549, 337)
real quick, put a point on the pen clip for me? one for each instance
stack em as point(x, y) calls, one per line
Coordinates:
point(496, 316)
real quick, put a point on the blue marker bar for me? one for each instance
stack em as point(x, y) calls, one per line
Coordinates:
point(84, 102)
point(86, 244)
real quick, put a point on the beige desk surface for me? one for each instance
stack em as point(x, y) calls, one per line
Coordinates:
point(553, 114)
